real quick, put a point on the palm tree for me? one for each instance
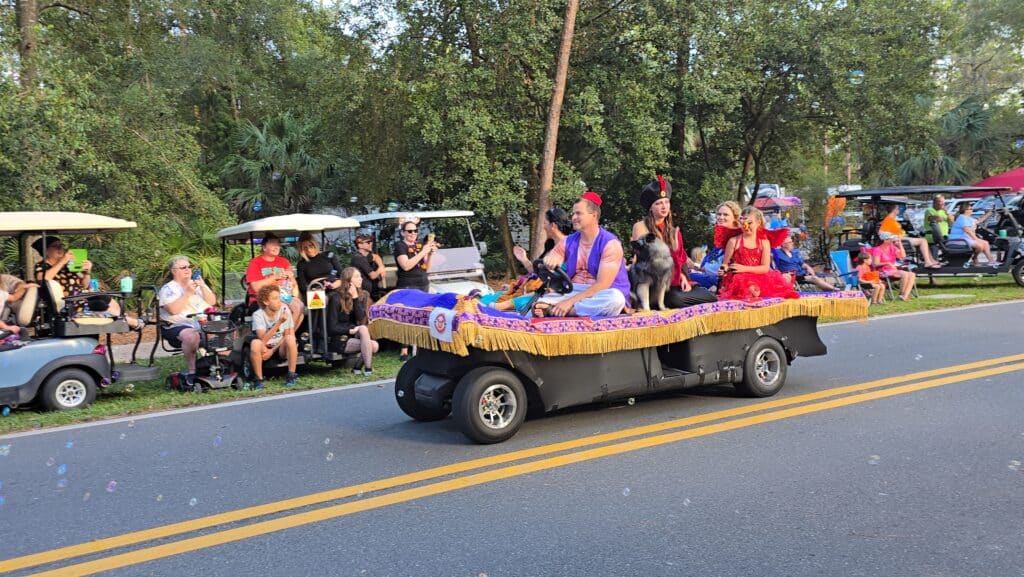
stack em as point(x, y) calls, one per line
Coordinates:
point(966, 148)
point(271, 170)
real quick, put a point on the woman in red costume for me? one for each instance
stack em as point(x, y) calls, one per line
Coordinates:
point(746, 269)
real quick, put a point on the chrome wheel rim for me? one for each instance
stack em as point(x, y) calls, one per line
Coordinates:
point(71, 393)
point(497, 406)
point(767, 367)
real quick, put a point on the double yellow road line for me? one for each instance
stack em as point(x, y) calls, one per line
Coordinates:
point(573, 451)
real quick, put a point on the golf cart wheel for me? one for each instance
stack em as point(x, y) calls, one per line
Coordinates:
point(1018, 273)
point(489, 404)
point(405, 394)
point(764, 369)
point(68, 389)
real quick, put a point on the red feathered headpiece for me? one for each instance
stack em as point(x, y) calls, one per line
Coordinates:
point(775, 237)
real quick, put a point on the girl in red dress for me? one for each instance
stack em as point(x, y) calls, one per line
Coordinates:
point(747, 271)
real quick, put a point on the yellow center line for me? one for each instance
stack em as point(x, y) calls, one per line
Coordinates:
point(246, 513)
point(335, 511)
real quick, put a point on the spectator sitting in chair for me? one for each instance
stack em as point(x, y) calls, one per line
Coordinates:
point(270, 268)
point(595, 264)
point(869, 280)
point(178, 299)
point(885, 258)
point(275, 334)
point(314, 264)
point(937, 214)
point(789, 262)
point(892, 226)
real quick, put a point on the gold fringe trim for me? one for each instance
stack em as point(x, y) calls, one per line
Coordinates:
point(472, 335)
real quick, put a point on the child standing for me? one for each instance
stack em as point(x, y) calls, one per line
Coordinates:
point(869, 280)
point(275, 334)
point(746, 268)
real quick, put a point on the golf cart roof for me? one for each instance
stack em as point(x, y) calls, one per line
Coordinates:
point(12, 223)
point(892, 191)
point(420, 214)
point(284, 226)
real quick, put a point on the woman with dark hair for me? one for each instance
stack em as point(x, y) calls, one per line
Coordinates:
point(347, 316)
point(655, 198)
point(557, 226)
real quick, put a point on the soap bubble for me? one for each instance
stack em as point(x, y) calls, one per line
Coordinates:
point(69, 445)
point(111, 486)
point(327, 441)
point(625, 492)
point(856, 77)
point(217, 441)
point(51, 462)
point(918, 357)
point(61, 469)
point(86, 495)
point(131, 424)
point(2, 500)
point(192, 502)
point(159, 498)
point(686, 502)
point(122, 436)
point(330, 456)
point(5, 450)
point(61, 483)
point(163, 454)
point(631, 401)
point(37, 426)
point(874, 459)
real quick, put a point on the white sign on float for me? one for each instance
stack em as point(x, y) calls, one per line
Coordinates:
point(316, 300)
point(440, 323)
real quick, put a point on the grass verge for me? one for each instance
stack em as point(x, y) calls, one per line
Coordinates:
point(154, 396)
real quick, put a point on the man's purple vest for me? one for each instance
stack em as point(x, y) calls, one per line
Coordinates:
point(572, 247)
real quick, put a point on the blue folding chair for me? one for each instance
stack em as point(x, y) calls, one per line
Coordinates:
point(842, 263)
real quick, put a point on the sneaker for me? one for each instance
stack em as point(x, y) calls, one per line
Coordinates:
point(190, 380)
point(291, 380)
point(367, 372)
point(994, 265)
point(967, 264)
point(257, 384)
point(403, 358)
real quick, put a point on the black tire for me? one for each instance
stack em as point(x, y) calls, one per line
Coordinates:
point(68, 389)
point(489, 404)
point(764, 369)
point(405, 394)
point(1018, 273)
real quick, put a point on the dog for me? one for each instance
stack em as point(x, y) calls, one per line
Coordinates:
point(651, 274)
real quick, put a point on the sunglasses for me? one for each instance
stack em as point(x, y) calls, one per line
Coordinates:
point(410, 230)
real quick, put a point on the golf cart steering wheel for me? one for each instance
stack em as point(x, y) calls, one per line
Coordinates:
point(555, 279)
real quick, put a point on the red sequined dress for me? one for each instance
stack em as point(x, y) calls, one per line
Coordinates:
point(749, 286)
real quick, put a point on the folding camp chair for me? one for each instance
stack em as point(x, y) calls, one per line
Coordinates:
point(892, 284)
point(842, 264)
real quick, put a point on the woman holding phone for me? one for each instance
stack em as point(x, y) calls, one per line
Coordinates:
point(413, 260)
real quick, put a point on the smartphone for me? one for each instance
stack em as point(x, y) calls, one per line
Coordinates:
point(430, 238)
point(197, 273)
point(80, 255)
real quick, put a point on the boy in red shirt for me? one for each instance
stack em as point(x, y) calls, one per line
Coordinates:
point(272, 268)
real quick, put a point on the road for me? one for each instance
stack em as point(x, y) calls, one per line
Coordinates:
point(906, 474)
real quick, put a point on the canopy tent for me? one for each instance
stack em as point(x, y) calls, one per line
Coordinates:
point(776, 203)
point(1014, 179)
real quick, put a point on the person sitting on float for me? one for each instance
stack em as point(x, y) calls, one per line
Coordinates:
point(746, 270)
point(557, 226)
point(727, 218)
point(595, 264)
point(655, 198)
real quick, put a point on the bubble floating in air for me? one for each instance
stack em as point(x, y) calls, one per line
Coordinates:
point(111, 486)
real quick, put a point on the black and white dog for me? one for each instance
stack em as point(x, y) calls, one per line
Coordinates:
point(651, 274)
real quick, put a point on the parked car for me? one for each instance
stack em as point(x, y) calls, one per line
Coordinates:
point(989, 202)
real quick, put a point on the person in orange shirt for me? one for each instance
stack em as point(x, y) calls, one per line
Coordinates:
point(870, 282)
point(891, 225)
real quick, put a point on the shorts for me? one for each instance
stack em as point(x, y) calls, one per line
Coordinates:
point(173, 335)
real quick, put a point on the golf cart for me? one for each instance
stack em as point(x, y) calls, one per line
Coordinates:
point(1003, 231)
point(314, 341)
point(456, 268)
point(58, 359)
point(489, 368)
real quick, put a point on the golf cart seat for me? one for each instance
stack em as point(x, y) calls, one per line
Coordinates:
point(22, 312)
point(66, 321)
point(948, 247)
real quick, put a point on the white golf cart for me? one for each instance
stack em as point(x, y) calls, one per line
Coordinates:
point(59, 360)
point(456, 268)
point(313, 337)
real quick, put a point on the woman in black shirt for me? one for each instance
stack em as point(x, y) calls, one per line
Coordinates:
point(346, 317)
point(370, 266)
point(314, 264)
point(413, 259)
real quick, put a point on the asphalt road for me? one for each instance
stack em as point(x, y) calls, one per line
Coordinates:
point(920, 480)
